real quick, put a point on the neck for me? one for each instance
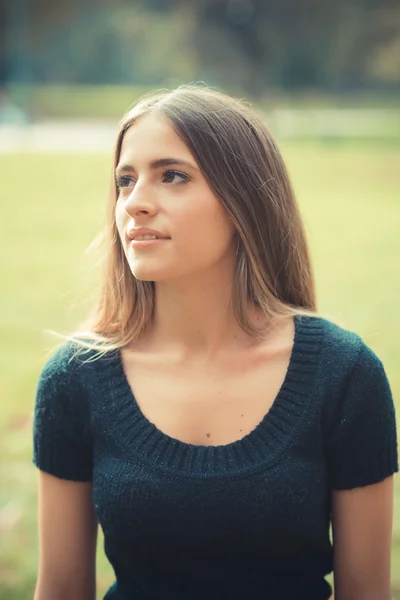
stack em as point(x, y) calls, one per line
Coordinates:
point(194, 317)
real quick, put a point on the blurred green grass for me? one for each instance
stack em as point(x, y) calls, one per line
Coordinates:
point(53, 206)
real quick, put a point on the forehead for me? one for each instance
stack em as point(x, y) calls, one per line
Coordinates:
point(151, 135)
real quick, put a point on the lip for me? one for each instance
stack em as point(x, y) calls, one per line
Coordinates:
point(132, 233)
point(145, 243)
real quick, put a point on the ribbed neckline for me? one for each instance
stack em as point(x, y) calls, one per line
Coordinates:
point(258, 448)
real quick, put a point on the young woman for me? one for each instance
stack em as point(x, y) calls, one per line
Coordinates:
point(208, 419)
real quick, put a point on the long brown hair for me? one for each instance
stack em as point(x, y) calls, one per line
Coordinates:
point(244, 167)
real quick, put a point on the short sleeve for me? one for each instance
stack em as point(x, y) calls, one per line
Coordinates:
point(62, 444)
point(362, 445)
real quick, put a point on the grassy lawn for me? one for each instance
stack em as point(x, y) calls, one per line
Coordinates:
point(53, 205)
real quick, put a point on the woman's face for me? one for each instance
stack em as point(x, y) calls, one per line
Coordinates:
point(162, 188)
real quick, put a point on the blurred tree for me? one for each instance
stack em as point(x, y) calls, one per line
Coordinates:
point(383, 64)
point(244, 44)
point(16, 39)
point(293, 44)
point(3, 50)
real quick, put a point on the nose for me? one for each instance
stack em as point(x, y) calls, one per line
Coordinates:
point(139, 201)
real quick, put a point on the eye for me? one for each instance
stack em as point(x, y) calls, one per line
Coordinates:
point(124, 181)
point(170, 175)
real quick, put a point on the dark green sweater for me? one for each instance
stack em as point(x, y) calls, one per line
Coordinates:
point(248, 520)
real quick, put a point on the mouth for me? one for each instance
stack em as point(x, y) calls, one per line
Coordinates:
point(143, 241)
point(148, 237)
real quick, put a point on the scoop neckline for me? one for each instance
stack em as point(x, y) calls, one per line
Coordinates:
point(261, 445)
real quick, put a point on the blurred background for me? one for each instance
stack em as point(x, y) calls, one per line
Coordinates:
point(325, 76)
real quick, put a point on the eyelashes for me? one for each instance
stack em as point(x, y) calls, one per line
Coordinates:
point(123, 181)
point(168, 176)
point(171, 172)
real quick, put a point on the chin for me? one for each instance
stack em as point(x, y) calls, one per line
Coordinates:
point(145, 271)
point(143, 274)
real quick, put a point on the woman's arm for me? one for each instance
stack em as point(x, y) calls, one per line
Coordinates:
point(67, 540)
point(362, 533)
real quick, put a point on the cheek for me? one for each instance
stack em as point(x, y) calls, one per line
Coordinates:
point(120, 218)
point(202, 212)
point(206, 228)
point(215, 223)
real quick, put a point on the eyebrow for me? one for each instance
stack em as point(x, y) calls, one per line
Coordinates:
point(157, 163)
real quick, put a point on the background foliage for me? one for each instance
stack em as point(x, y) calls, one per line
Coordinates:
point(248, 45)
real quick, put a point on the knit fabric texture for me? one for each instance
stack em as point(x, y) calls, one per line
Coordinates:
point(249, 520)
